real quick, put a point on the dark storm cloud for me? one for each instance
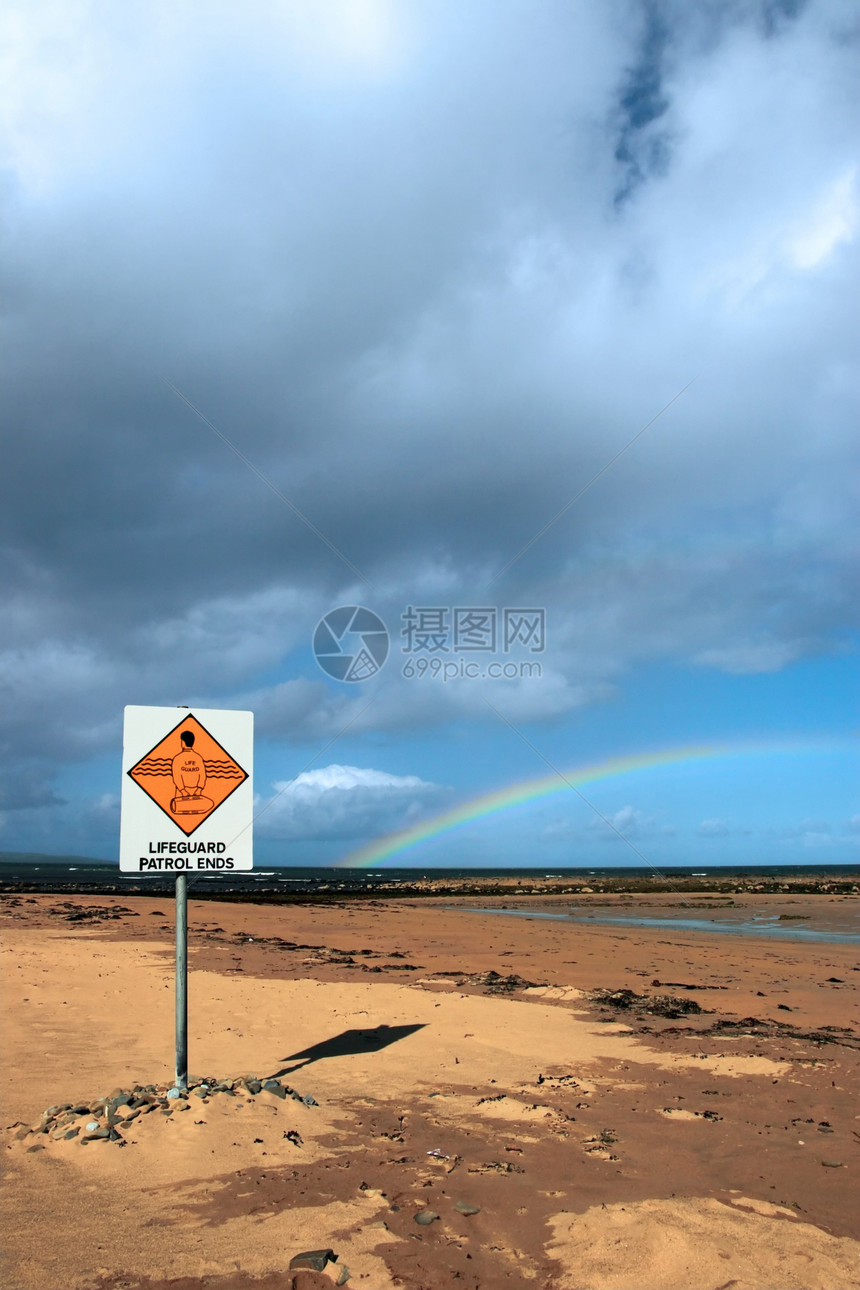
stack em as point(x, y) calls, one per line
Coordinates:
point(641, 151)
point(390, 264)
point(28, 787)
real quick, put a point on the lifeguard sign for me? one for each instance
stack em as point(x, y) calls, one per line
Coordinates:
point(187, 807)
point(187, 801)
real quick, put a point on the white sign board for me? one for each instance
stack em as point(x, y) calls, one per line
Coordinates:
point(187, 795)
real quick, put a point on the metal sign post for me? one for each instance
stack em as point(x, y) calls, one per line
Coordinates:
point(187, 807)
point(182, 981)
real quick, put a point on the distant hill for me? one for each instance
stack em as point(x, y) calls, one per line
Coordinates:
point(35, 857)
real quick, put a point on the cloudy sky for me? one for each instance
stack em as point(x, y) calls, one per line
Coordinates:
point(355, 303)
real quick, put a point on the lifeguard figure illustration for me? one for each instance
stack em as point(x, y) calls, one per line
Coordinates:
point(189, 775)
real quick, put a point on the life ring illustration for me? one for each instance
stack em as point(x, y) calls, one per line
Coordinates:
point(192, 806)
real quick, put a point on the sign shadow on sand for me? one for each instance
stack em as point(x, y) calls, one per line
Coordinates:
point(350, 1043)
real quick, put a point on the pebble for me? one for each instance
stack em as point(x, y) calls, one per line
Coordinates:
point(98, 1135)
point(315, 1260)
point(344, 1276)
point(253, 1086)
point(425, 1217)
point(833, 1164)
point(276, 1087)
point(174, 1092)
point(463, 1208)
point(91, 1126)
point(310, 1101)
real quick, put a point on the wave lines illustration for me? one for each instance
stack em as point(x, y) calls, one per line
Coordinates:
point(164, 766)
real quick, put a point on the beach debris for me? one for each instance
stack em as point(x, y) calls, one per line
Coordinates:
point(688, 1115)
point(756, 1027)
point(73, 913)
point(496, 1167)
point(599, 1145)
point(492, 981)
point(658, 1005)
point(313, 1260)
point(425, 1217)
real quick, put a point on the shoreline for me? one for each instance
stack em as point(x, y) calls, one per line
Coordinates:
point(333, 886)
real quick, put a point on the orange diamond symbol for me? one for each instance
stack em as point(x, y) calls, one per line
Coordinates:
point(188, 774)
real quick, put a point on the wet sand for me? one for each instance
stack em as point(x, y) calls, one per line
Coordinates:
point(625, 1108)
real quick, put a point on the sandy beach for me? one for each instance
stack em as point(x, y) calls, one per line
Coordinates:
point(456, 1098)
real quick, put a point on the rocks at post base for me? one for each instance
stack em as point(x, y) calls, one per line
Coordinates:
point(101, 1119)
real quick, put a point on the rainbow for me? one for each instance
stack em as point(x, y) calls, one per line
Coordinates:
point(382, 850)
